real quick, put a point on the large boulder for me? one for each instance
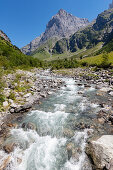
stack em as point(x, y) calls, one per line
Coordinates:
point(101, 152)
point(23, 108)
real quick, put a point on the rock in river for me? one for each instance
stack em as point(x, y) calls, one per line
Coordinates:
point(68, 133)
point(8, 148)
point(101, 152)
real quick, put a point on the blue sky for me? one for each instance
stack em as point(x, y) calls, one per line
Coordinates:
point(24, 20)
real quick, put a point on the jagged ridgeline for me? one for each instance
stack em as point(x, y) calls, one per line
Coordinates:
point(62, 25)
point(101, 30)
point(11, 56)
point(85, 36)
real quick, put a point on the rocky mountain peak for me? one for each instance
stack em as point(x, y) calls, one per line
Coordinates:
point(62, 12)
point(61, 25)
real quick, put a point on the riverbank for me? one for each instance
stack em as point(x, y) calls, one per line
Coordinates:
point(99, 147)
point(102, 81)
point(22, 90)
point(43, 83)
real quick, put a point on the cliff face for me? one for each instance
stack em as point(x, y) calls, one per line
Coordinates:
point(61, 25)
point(101, 30)
point(32, 46)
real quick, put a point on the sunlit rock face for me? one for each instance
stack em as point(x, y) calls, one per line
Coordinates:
point(61, 25)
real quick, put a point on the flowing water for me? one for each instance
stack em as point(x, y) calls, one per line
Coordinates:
point(55, 143)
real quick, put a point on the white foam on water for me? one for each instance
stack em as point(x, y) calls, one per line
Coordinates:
point(73, 164)
point(71, 85)
point(60, 107)
point(91, 89)
point(49, 123)
point(49, 152)
point(49, 119)
point(70, 92)
point(25, 138)
point(83, 105)
point(44, 153)
point(94, 105)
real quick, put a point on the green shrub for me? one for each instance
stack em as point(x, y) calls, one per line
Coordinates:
point(105, 61)
point(12, 96)
point(11, 56)
point(2, 99)
point(64, 63)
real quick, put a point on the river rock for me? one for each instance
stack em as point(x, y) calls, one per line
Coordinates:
point(30, 81)
point(97, 87)
point(19, 160)
point(5, 104)
point(19, 119)
point(109, 166)
point(8, 148)
point(101, 120)
point(101, 151)
point(70, 150)
point(49, 93)
point(7, 92)
point(23, 108)
point(80, 92)
point(111, 93)
point(111, 118)
point(105, 89)
point(31, 126)
point(13, 105)
point(11, 101)
point(68, 133)
point(27, 95)
point(79, 84)
point(87, 85)
point(43, 95)
point(12, 110)
point(5, 163)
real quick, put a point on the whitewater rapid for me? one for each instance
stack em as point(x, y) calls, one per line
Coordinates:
point(45, 148)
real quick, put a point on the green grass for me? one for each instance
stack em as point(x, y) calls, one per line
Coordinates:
point(42, 52)
point(42, 55)
point(77, 54)
point(97, 60)
point(11, 56)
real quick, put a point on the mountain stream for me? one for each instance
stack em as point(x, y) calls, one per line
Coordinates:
point(55, 142)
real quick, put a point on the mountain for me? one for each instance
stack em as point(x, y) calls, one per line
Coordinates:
point(100, 30)
point(4, 36)
point(11, 56)
point(61, 25)
point(32, 46)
